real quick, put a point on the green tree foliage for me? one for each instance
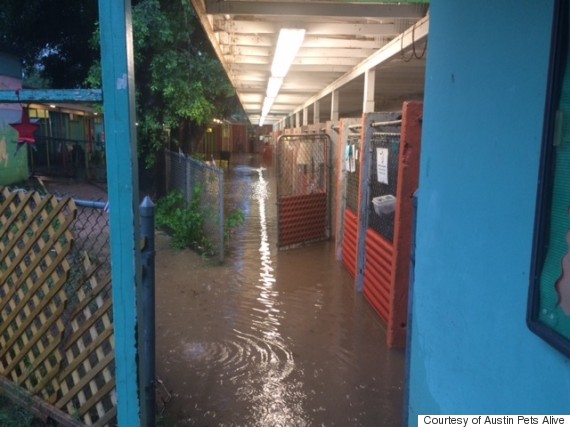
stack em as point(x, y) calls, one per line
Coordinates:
point(51, 38)
point(181, 86)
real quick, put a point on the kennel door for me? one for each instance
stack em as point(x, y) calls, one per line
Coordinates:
point(303, 187)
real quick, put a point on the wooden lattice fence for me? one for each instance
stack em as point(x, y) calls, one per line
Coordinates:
point(56, 326)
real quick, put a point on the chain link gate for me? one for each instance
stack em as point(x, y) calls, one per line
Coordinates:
point(303, 187)
point(352, 176)
point(384, 183)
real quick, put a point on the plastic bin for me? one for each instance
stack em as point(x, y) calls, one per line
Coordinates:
point(384, 205)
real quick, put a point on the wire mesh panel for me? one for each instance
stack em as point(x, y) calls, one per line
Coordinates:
point(383, 183)
point(352, 168)
point(200, 183)
point(302, 188)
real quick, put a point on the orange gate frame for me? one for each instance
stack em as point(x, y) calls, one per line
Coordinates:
point(383, 267)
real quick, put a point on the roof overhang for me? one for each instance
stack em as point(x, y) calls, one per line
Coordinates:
point(346, 43)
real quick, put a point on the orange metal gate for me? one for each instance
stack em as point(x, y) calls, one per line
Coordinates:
point(302, 189)
point(388, 226)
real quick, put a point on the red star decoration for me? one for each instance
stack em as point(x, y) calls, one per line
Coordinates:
point(25, 129)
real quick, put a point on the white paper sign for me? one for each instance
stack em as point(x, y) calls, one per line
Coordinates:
point(382, 165)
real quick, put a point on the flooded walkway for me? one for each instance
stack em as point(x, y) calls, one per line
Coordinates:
point(272, 338)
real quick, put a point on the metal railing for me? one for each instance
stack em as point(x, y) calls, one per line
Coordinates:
point(71, 158)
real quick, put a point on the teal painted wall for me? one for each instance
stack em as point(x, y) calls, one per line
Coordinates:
point(13, 166)
point(10, 66)
point(471, 351)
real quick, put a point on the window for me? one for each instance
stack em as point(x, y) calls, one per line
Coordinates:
point(549, 299)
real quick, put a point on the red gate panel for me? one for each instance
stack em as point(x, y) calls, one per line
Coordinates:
point(378, 273)
point(302, 219)
point(349, 240)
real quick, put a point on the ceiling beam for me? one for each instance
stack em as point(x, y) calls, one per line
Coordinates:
point(417, 33)
point(256, 51)
point(336, 61)
point(298, 8)
point(238, 69)
point(311, 41)
point(311, 28)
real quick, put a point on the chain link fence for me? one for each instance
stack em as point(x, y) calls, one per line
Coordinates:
point(194, 178)
point(71, 294)
point(91, 246)
point(352, 168)
point(384, 182)
point(91, 241)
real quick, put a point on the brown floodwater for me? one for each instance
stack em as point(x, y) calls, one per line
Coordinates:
point(271, 338)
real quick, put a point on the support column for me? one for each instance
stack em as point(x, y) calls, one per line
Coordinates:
point(334, 106)
point(369, 83)
point(305, 116)
point(122, 173)
point(316, 112)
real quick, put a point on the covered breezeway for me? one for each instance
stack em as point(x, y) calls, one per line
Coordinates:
point(353, 66)
point(354, 59)
point(350, 65)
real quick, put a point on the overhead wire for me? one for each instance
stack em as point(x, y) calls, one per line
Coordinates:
point(414, 53)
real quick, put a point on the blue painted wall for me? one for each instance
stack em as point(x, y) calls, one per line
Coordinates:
point(471, 351)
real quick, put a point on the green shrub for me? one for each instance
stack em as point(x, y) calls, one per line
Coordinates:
point(12, 415)
point(233, 220)
point(184, 223)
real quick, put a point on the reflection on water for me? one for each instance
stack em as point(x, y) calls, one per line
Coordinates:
point(275, 405)
point(273, 338)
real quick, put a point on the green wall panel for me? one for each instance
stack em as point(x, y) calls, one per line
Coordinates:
point(13, 166)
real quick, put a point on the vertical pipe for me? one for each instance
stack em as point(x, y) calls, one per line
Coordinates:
point(187, 189)
point(48, 140)
point(221, 211)
point(147, 354)
point(86, 158)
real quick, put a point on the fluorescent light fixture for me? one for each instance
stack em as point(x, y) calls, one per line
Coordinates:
point(273, 86)
point(288, 44)
point(267, 103)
